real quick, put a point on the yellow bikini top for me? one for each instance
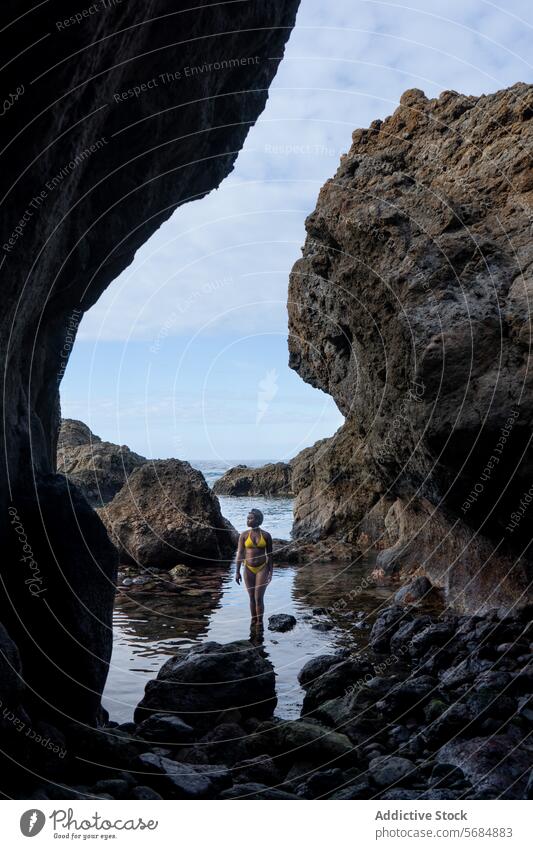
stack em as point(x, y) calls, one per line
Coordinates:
point(249, 543)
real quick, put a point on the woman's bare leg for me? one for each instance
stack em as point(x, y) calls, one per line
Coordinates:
point(260, 589)
point(250, 580)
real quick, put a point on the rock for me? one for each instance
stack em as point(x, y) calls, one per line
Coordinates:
point(100, 469)
point(274, 479)
point(144, 793)
point(122, 188)
point(388, 769)
point(322, 626)
point(316, 667)
point(312, 740)
point(496, 765)
point(261, 770)
point(385, 626)
point(281, 622)
point(200, 682)
point(183, 781)
point(227, 743)
point(11, 678)
point(254, 790)
point(418, 368)
point(167, 512)
point(335, 682)
point(400, 793)
point(321, 783)
point(165, 729)
point(357, 790)
point(415, 591)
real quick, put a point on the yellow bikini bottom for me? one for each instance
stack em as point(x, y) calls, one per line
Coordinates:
point(255, 569)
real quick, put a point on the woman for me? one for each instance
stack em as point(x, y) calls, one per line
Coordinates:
point(255, 551)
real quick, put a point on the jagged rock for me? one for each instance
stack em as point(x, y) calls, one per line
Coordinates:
point(281, 622)
point(183, 781)
point(167, 513)
point(497, 765)
point(198, 683)
point(100, 469)
point(388, 769)
point(410, 308)
point(254, 790)
point(164, 729)
point(274, 479)
point(416, 590)
point(117, 166)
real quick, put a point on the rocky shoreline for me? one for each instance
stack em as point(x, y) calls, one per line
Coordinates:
point(435, 707)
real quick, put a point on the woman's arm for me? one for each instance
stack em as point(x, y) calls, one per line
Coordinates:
point(240, 558)
point(270, 557)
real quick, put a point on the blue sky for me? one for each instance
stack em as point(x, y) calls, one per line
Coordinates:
point(185, 354)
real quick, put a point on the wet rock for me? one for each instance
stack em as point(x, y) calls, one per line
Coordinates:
point(497, 765)
point(227, 743)
point(430, 638)
point(386, 625)
point(399, 793)
point(359, 789)
point(322, 626)
point(456, 720)
point(142, 792)
point(281, 622)
point(334, 682)
point(388, 769)
point(415, 591)
point(100, 469)
point(274, 479)
point(254, 790)
point(261, 770)
point(167, 513)
point(312, 740)
point(182, 781)
point(198, 683)
point(321, 783)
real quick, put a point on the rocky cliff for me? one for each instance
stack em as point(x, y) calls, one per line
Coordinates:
point(410, 306)
point(273, 479)
point(111, 119)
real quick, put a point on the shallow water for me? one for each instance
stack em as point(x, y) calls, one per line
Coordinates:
point(148, 629)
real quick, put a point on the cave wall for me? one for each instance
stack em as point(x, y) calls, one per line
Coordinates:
point(113, 118)
point(411, 307)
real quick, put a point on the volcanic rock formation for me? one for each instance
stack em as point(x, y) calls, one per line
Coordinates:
point(273, 479)
point(100, 469)
point(107, 133)
point(410, 306)
point(166, 514)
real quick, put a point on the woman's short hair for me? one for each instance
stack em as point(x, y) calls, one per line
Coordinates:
point(257, 513)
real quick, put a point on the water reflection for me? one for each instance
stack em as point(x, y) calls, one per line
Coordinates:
point(211, 606)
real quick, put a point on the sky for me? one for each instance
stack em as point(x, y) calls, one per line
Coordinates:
point(185, 354)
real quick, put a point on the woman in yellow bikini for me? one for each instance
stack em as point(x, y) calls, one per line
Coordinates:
point(255, 551)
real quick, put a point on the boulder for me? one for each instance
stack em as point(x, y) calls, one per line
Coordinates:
point(281, 622)
point(388, 769)
point(497, 766)
point(396, 310)
point(168, 514)
point(182, 781)
point(197, 684)
point(274, 479)
point(100, 469)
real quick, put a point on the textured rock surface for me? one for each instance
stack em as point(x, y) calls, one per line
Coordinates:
point(410, 307)
point(271, 479)
point(100, 469)
point(198, 683)
point(91, 168)
point(166, 515)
